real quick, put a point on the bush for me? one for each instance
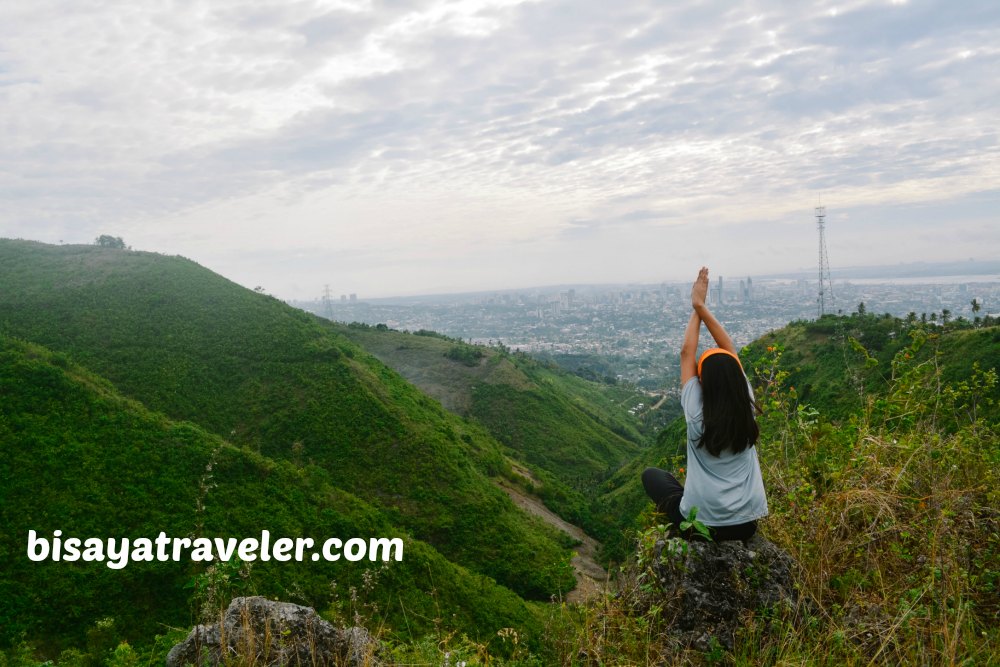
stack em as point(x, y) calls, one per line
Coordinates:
point(465, 354)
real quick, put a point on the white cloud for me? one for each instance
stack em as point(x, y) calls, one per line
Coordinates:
point(487, 143)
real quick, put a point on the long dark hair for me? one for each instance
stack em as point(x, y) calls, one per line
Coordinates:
point(727, 410)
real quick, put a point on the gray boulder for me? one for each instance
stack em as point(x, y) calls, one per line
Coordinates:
point(258, 631)
point(708, 587)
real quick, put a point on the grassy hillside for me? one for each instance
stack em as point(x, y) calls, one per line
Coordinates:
point(606, 435)
point(836, 363)
point(265, 376)
point(890, 511)
point(820, 369)
point(572, 435)
point(80, 458)
point(623, 498)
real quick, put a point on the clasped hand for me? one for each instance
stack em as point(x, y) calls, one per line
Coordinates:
point(699, 291)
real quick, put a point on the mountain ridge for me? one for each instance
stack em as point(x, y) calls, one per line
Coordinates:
point(112, 468)
point(194, 346)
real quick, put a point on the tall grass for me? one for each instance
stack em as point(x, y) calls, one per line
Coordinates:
point(894, 520)
point(893, 516)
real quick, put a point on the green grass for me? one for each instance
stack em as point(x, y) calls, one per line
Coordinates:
point(571, 433)
point(830, 372)
point(817, 365)
point(265, 376)
point(890, 513)
point(880, 446)
point(79, 457)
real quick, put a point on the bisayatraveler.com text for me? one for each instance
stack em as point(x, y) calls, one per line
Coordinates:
point(119, 552)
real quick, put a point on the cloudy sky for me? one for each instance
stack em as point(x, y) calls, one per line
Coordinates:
point(389, 148)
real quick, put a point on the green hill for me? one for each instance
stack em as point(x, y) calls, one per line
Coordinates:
point(272, 379)
point(568, 430)
point(171, 399)
point(816, 364)
point(80, 458)
point(883, 487)
point(835, 363)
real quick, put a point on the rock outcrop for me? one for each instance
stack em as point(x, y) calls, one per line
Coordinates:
point(708, 587)
point(258, 631)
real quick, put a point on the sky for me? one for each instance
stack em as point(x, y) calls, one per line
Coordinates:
point(394, 148)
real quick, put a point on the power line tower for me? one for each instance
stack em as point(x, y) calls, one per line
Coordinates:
point(825, 282)
point(327, 303)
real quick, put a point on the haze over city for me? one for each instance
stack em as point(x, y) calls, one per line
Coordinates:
point(392, 148)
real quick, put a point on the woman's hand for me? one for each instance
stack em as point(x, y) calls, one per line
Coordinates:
point(699, 291)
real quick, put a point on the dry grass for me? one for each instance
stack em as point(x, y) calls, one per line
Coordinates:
point(894, 520)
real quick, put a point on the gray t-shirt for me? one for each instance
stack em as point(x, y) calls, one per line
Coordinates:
point(727, 489)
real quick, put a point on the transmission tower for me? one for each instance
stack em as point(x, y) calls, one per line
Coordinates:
point(327, 303)
point(825, 282)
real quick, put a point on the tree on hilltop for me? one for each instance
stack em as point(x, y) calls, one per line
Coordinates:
point(106, 241)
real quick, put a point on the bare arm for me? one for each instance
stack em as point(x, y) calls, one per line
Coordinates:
point(689, 348)
point(698, 293)
point(722, 339)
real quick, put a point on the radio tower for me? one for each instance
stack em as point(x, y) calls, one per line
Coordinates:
point(825, 282)
point(327, 303)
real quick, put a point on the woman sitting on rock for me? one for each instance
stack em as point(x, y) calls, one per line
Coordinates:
point(723, 474)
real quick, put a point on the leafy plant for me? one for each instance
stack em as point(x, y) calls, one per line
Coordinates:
point(692, 522)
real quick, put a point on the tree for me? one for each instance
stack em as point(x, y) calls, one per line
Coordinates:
point(945, 315)
point(861, 309)
point(106, 241)
point(976, 306)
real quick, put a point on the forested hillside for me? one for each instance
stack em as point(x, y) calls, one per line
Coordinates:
point(273, 380)
point(571, 433)
point(80, 458)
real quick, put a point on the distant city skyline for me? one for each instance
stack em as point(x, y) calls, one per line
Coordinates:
point(635, 331)
point(426, 146)
point(910, 273)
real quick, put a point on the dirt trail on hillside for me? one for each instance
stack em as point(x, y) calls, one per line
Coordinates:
point(591, 578)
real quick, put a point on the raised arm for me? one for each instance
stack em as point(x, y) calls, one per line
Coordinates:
point(689, 349)
point(722, 339)
point(698, 293)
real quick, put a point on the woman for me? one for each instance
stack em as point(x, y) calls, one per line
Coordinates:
point(723, 473)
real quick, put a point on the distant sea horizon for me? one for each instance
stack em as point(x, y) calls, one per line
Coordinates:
point(923, 280)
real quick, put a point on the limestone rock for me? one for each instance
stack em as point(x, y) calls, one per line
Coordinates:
point(707, 587)
point(255, 630)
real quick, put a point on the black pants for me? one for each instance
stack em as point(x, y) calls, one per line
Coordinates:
point(664, 489)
